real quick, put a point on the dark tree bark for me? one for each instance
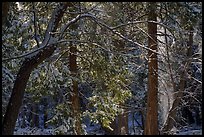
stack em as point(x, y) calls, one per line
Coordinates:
point(5, 10)
point(15, 101)
point(26, 68)
point(45, 103)
point(29, 113)
point(75, 94)
point(142, 118)
point(113, 125)
point(31, 116)
point(151, 123)
point(75, 99)
point(119, 125)
point(35, 116)
point(125, 115)
point(23, 125)
point(123, 123)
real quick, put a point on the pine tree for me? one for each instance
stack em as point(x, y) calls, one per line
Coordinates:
point(151, 123)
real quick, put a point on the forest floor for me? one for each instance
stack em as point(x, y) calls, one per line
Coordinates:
point(38, 131)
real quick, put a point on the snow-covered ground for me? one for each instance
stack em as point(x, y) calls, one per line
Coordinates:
point(95, 129)
point(37, 131)
point(34, 131)
point(190, 132)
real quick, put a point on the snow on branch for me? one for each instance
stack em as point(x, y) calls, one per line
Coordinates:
point(52, 42)
point(112, 29)
point(48, 40)
point(120, 35)
point(53, 23)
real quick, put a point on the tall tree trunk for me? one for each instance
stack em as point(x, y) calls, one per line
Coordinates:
point(73, 68)
point(123, 123)
point(23, 75)
point(75, 94)
point(5, 10)
point(142, 119)
point(114, 124)
point(119, 124)
point(124, 128)
point(151, 123)
point(45, 115)
point(23, 113)
point(125, 115)
point(29, 113)
point(35, 116)
point(31, 116)
point(171, 119)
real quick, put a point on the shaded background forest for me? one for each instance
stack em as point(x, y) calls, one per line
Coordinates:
point(99, 67)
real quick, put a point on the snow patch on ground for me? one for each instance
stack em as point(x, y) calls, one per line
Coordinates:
point(33, 131)
point(37, 131)
point(190, 132)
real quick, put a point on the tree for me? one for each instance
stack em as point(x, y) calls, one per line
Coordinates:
point(151, 122)
point(75, 100)
point(179, 59)
point(5, 10)
point(27, 67)
point(91, 59)
point(75, 93)
point(171, 119)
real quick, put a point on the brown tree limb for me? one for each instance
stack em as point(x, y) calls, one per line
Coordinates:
point(27, 67)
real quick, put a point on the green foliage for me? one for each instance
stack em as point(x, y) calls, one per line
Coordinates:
point(110, 90)
point(101, 58)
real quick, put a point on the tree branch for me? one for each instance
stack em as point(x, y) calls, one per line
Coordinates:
point(35, 25)
point(27, 67)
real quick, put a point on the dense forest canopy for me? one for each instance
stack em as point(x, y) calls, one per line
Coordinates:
point(101, 67)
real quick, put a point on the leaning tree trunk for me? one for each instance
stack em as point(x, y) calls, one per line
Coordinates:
point(26, 68)
point(171, 119)
point(151, 123)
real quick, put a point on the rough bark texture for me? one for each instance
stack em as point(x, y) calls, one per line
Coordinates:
point(5, 10)
point(75, 94)
point(171, 119)
point(16, 99)
point(123, 124)
point(73, 68)
point(151, 123)
point(27, 67)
